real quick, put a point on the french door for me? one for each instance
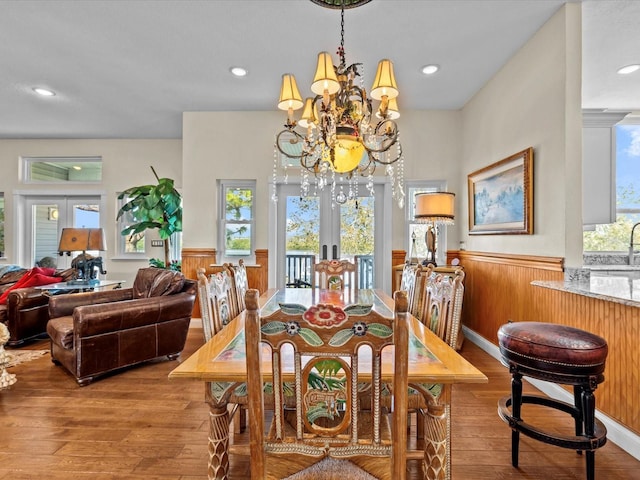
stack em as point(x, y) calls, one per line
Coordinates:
point(46, 216)
point(316, 227)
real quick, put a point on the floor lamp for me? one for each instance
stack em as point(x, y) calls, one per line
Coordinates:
point(434, 209)
point(81, 240)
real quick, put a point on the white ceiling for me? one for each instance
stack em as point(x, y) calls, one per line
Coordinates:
point(128, 69)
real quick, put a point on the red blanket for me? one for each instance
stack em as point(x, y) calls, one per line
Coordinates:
point(33, 278)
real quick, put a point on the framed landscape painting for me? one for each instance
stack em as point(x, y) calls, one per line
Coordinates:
point(501, 196)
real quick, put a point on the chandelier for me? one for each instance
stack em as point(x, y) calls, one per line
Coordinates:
point(340, 138)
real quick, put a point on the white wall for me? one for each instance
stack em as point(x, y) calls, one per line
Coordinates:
point(239, 145)
point(534, 101)
point(126, 163)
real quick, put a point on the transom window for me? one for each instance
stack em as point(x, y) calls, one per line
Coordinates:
point(62, 169)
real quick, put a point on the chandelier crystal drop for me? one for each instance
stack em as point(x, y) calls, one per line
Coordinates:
point(340, 136)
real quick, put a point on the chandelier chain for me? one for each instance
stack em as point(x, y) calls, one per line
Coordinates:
point(343, 62)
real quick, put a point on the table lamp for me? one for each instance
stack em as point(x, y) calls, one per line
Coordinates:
point(434, 208)
point(83, 239)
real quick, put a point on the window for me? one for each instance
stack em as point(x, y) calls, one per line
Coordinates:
point(236, 233)
point(128, 245)
point(62, 169)
point(615, 237)
point(2, 250)
point(416, 245)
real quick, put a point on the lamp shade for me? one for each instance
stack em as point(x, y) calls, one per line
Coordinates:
point(385, 81)
point(289, 94)
point(325, 77)
point(435, 207)
point(309, 113)
point(82, 239)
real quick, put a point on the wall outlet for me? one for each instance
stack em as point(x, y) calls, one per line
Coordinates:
point(157, 243)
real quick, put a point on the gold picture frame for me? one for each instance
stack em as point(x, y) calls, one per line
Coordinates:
point(501, 196)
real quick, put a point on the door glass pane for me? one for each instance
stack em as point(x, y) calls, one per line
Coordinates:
point(45, 234)
point(48, 218)
point(86, 216)
point(357, 239)
point(302, 239)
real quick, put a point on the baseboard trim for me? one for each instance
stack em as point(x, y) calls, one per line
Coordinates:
point(616, 432)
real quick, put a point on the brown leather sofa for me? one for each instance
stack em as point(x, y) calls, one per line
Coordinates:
point(94, 333)
point(26, 312)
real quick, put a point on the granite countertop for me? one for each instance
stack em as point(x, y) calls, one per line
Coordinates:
point(622, 287)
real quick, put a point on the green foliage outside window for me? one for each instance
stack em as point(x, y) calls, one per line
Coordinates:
point(614, 237)
point(238, 217)
point(303, 224)
point(356, 226)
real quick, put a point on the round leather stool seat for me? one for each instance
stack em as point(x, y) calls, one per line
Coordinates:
point(545, 349)
point(559, 354)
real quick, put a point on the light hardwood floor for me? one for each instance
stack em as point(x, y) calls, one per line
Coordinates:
point(138, 425)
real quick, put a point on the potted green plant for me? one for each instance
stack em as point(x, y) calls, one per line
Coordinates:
point(154, 207)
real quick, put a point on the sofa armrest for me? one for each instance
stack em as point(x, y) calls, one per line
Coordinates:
point(23, 298)
point(63, 305)
point(89, 320)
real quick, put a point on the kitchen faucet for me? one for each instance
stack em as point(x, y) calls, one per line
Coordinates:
point(631, 244)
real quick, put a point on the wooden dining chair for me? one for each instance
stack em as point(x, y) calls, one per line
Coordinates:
point(441, 308)
point(335, 275)
point(216, 311)
point(412, 281)
point(327, 421)
point(239, 283)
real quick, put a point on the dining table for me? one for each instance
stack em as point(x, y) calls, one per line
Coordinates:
point(434, 367)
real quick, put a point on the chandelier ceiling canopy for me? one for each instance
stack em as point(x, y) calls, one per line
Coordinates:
point(339, 134)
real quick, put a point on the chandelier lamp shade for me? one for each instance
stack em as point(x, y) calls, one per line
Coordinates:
point(338, 134)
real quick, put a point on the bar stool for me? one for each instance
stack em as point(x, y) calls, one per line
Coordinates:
point(557, 354)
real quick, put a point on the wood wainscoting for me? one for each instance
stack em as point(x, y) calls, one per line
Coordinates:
point(617, 323)
point(194, 258)
point(498, 288)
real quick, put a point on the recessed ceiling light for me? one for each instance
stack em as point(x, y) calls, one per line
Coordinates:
point(77, 167)
point(430, 69)
point(628, 69)
point(238, 71)
point(45, 92)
